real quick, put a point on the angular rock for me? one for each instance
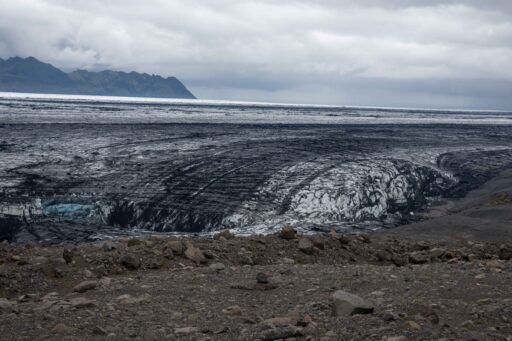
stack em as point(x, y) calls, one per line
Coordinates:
point(186, 330)
point(194, 254)
point(67, 254)
point(108, 246)
point(346, 304)
point(225, 234)
point(127, 299)
point(85, 286)
point(496, 264)
point(261, 278)
point(390, 316)
point(233, 310)
point(306, 246)
point(82, 302)
point(7, 306)
point(399, 260)
point(505, 252)
point(418, 258)
point(397, 338)
point(130, 261)
point(63, 329)
point(437, 253)
point(217, 267)
point(176, 247)
point(412, 325)
point(283, 332)
point(287, 233)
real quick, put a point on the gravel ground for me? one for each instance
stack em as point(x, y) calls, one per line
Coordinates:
point(273, 287)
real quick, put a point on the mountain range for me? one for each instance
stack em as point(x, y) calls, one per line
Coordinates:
point(31, 75)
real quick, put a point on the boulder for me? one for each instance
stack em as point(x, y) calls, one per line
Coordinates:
point(7, 306)
point(194, 254)
point(418, 258)
point(67, 254)
point(306, 246)
point(233, 310)
point(287, 233)
point(63, 329)
point(505, 252)
point(127, 299)
point(225, 234)
point(217, 267)
point(176, 247)
point(130, 261)
point(346, 304)
point(261, 278)
point(397, 338)
point(283, 332)
point(85, 286)
point(82, 302)
point(400, 260)
point(108, 246)
point(437, 253)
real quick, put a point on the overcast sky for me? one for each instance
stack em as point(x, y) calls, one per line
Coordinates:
point(407, 53)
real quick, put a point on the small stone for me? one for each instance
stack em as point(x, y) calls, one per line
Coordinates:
point(186, 330)
point(480, 276)
point(284, 332)
point(261, 278)
point(246, 257)
point(397, 338)
point(306, 246)
point(288, 261)
point(133, 242)
point(436, 252)
point(233, 310)
point(40, 260)
point(67, 254)
point(225, 234)
point(505, 252)
point(412, 325)
point(468, 324)
point(209, 254)
point(418, 258)
point(390, 316)
point(349, 304)
point(156, 264)
point(97, 330)
point(495, 264)
point(399, 260)
point(88, 273)
point(63, 329)
point(287, 233)
point(127, 299)
point(82, 302)
point(176, 247)
point(85, 286)
point(7, 306)
point(279, 322)
point(194, 254)
point(130, 261)
point(108, 246)
point(217, 267)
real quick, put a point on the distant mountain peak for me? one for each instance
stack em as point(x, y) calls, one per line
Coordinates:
point(29, 74)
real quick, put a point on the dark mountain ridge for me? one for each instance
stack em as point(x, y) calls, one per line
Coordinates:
point(31, 75)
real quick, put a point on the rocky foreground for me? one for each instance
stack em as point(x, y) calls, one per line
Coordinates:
point(283, 286)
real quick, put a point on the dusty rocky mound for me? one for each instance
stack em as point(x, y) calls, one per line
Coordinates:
point(284, 286)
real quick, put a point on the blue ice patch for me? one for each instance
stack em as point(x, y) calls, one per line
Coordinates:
point(68, 209)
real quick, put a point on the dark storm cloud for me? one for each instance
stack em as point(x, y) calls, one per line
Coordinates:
point(396, 52)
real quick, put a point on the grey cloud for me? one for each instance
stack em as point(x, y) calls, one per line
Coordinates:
point(397, 52)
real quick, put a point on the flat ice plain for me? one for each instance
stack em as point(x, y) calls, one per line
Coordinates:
point(83, 167)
